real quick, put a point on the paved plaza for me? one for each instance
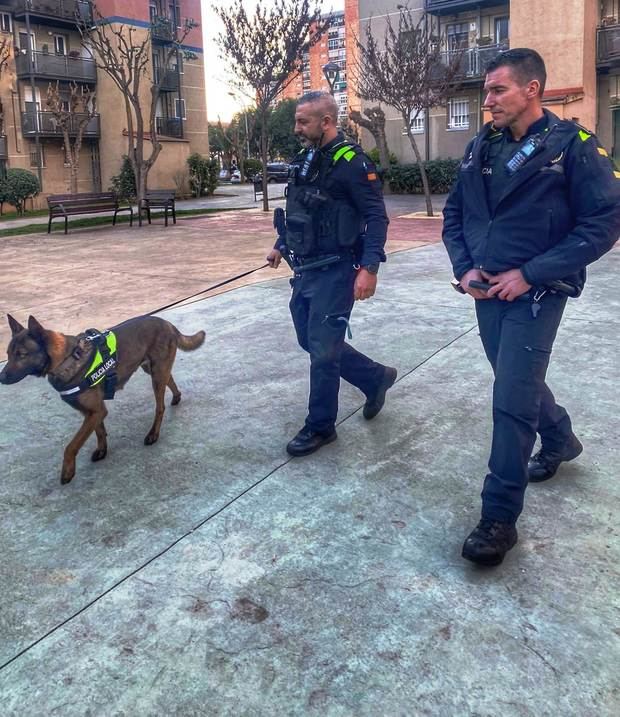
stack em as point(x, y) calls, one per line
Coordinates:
point(211, 574)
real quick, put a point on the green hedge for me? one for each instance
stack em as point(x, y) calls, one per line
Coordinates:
point(407, 179)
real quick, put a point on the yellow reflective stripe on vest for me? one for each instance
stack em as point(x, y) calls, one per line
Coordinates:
point(347, 152)
point(584, 135)
point(98, 360)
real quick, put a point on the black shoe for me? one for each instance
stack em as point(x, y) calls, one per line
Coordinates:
point(307, 441)
point(489, 541)
point(544, 464)
point(375, 404)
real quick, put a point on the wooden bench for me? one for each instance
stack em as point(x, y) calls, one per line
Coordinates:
point(158, 199)
point(66, 205)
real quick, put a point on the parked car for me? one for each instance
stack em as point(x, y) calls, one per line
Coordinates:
point(276, 172)
point(235, 177)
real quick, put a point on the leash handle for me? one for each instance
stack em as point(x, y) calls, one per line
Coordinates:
point(204, 291)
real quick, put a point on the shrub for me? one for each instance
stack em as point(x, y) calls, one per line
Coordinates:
point(203, 174)
point(251, 167)
point(407, 178)
point(17, 186)
point(373, 154)
point(124, 183)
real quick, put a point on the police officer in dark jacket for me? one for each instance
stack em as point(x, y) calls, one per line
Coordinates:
point(334, 233)
point(536, 200)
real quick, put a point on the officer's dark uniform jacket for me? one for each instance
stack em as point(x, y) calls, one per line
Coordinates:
point(559, 212)
point(339, 208)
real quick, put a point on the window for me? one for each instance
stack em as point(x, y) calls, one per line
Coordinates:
point(417, 123)
point(5, 22)
point(35, 156)
point(458, 113)
point(501, 30)
point(179, 109)
point(60, 45)
point(457, 36)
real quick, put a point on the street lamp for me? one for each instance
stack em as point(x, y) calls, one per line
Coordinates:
point(331, 72)
point(245, 117)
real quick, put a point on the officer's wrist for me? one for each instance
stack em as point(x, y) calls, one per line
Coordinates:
point(371, 268)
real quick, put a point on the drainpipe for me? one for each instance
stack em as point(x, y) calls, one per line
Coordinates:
point(37, 138)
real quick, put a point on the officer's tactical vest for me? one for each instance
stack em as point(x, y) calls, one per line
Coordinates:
point(315, 222)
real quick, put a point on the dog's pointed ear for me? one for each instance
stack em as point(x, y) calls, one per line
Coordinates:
point(35, 328)
point(16, 327)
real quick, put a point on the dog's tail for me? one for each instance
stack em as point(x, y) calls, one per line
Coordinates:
point(189, 343)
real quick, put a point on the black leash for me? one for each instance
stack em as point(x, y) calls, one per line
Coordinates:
point(204, 291)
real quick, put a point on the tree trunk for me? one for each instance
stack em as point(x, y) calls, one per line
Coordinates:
point(374, 122)
point(418, 157)
point(263, 155)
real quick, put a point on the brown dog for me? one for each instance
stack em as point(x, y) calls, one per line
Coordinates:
point(145, 341)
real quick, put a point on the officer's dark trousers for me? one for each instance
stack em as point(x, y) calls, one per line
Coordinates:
point(518, 347)
point(321, 298)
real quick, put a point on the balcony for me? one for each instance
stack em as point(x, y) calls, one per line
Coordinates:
point(60, 13)
point(55, 67)
point(4, 151)
point(473, 62)
point(452, 7)
point(169, 79)
point(45, 124)
point(169, 126)
point(608, 47)
point(163, 29)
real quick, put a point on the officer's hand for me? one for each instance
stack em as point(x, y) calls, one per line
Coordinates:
point(274, 258)
point(365, 285)
point(473, 275)
point(508, 285)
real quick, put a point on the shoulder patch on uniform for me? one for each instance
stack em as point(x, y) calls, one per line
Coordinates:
point(584, 135)
point(603, 151)
point(616, 174)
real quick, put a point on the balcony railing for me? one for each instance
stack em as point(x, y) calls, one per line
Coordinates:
point(163, 29)
point(45, 124)
point(58, 67)
point(169, 79)
point(169, 126)
point(452, 7)
point(608, 45)
point(55, 10)
point(4, 152)
point(473, 62)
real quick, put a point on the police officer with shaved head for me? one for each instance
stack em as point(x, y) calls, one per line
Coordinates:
point(333, 234)
point(537, 199)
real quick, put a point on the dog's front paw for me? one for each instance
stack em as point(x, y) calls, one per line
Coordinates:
point(151, 438)
point(67, 474)
point(99, 454)
point(176, 400)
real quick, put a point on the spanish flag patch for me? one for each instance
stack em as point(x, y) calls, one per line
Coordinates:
point(371, 176)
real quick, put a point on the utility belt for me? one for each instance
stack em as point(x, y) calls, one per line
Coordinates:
point(300, 264)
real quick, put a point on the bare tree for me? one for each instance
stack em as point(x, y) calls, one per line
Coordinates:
point(124, 53)
point(406, 71)
point(373, 119)
point(266, 53)
point(5, 54)
point(72, 117)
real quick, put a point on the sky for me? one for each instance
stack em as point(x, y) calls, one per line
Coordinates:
point(219, 102)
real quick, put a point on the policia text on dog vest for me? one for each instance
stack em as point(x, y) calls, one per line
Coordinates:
point(316, 223)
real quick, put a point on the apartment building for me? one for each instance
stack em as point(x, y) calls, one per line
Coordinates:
point(45, 46)
point(579, 40)
point(332, 47)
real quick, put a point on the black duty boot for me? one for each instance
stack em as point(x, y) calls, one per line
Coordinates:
point(544, 464)
point(307, 441)
point(489, 541)
point(375, 403)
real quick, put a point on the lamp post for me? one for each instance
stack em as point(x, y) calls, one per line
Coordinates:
point(331, 72)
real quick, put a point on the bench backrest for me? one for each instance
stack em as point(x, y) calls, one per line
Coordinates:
point(94, 200)
point(160, 193)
